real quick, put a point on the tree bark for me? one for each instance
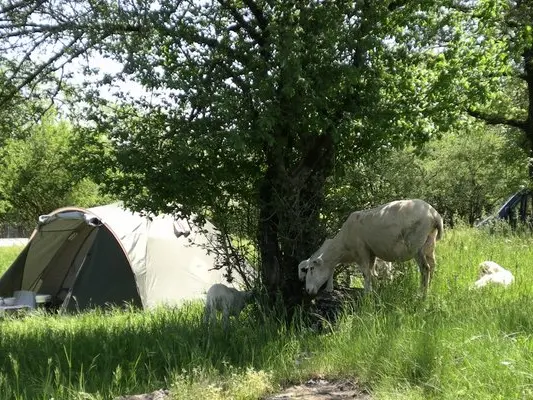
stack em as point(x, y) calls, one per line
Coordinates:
point(528, 126)
point(289, 227)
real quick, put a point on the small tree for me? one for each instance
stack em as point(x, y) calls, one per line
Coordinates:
point(38, 174)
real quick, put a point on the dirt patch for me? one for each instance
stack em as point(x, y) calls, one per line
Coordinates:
point(313, 389)
point(321, 389)
point(161, 394)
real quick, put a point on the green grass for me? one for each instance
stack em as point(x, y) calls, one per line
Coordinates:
point(8, 255)
point(458, 343)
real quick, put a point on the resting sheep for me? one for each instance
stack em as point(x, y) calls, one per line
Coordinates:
point(397, 231)
point(490, 272)
point(227, 300)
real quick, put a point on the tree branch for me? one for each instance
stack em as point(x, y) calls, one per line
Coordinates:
point(256, 36)
point(12, 7)
point(493, 119)
point(49, 66)
point(262, 21)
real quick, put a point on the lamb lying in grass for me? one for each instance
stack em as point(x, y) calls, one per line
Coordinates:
point(490, 272)
point(227, 300)
point(396, 231)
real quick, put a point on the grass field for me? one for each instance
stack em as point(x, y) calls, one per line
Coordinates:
point(457, 344)
point(8, 255)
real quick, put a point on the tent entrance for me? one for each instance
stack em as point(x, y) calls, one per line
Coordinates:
point(59, 275)
point(104, 276)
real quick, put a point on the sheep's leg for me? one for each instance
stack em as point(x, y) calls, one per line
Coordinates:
point(367, 268)
point(425, 271)
point(207, 313)
point(368, 281)
point(225, 319)
point(429, 252)
point(374, 269)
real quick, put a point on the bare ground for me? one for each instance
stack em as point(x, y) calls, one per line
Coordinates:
point(321, 389)
point(314, 389)
point(325, 308)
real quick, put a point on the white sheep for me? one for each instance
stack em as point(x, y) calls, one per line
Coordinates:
point(397, 231)
point(382, 270)
point(227, 300)
point(490, 272)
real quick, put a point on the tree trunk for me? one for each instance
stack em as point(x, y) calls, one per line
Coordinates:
point(528, 126)
point(289, 228)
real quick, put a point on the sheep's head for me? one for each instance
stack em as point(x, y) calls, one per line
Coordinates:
point(488, 268)
point(318, 273)
point(244, 298)
point(302, 269)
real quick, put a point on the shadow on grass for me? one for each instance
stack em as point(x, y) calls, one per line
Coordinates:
point(130, 352)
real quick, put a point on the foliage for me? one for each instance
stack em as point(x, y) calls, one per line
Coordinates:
point(494, 64)
point(458, 343)
point(459, 176)
point(253, 105)
point(16, 114)
point(248, 103)
point(38, 174)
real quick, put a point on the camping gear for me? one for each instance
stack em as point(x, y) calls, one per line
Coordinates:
point(108, 255)
point(23, 300)
point(7, 301)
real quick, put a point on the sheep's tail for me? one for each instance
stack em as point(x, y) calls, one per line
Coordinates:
point(440, 226)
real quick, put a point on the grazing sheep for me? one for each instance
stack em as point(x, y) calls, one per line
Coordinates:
point(302, 271)
point(396, 231)
point(382, 270)
point(229, 301)
point(490, 272)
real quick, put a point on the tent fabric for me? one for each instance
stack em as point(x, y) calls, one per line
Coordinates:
point(110, 255)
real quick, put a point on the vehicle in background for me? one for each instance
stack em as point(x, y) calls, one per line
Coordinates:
point(517, 209)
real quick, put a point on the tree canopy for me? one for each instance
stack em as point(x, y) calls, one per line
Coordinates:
point(248, 102)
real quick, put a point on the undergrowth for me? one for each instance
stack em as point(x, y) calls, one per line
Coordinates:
point(457, 343)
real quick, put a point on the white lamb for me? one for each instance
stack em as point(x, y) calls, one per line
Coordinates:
point(490, 272)
point(227, 300)
point(396, 231)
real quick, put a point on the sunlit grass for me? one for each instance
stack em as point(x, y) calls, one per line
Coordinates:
point(8, 255)
point(458, 343)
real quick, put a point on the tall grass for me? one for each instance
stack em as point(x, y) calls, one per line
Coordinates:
point(458, 343)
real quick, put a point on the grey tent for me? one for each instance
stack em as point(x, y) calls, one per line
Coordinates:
point(109, 255)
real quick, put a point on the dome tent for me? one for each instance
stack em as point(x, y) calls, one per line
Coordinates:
point(86, 258)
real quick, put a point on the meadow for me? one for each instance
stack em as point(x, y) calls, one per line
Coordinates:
point(457, 343)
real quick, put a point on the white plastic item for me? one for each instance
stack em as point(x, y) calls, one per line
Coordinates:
point(42, 298)
point(9, 301)
point(25, 298)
